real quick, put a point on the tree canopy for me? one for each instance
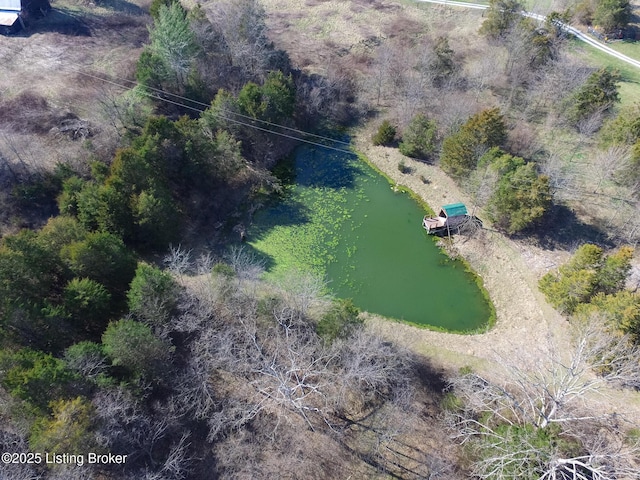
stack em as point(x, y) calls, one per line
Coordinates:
point(611, 15)
point(418, 139)
point(520, 197)
point(462, 150)
point(597, 95)
point(500, 17)
point(587, 274)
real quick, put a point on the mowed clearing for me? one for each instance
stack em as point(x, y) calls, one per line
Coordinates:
point(43, 65)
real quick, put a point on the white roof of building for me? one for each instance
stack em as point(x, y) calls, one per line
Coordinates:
point(11, 5)
point(8, 18)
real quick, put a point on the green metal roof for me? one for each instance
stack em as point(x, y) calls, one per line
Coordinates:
point(455, 209)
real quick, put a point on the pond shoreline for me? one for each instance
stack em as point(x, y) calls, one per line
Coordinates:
point(491, 321)
point(525, 324)
point(342, 220)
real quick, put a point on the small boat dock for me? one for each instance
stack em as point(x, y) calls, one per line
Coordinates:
point(453, 218)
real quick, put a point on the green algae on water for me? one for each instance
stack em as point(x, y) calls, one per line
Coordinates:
point(342, 219)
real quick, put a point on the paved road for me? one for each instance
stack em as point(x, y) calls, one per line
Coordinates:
point(568, 28)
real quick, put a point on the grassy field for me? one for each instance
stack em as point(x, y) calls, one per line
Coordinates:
point(630, 75)
point(631, 48)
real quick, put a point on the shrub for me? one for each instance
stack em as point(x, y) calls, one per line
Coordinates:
point(339, 321)
point(385, 135)
point(403, 167)
point(418, 140)
point(133, 346)
point(597, 94)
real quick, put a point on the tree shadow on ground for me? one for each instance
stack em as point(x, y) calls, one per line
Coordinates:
point(562, 229)
point(59, 20)
point(121, 6)
point(430, 377)
point(402, 456)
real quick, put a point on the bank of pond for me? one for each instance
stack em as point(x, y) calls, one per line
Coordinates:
point(340, 218)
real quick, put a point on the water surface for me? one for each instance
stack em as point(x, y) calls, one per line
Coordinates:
point(343, 220)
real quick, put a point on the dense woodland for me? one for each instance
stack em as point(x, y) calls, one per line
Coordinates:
point(116, 339)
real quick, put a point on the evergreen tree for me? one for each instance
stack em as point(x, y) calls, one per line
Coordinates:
point(462, 150)
point(133, 346)
point(157, 219)
point(89, 305)
point(35, 377)
point(460, 153)
point(588, 274)
point(500, 17)
point(340, 321)
point(104, 258)
point(250, 100)
point(68, 430)
point(520, 196)
point(613, 271)
point(621, 311)
point(443, 65)
point(153, 295)
point(385, 135)
point(598, 94)
point(173, 40)
point(611, 15)
point(418, 140)
point(278, 93)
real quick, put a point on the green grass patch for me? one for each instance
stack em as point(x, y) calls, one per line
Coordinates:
point(630, 48)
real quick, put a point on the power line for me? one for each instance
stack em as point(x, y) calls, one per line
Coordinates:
point(238, 122)
point(302, 132)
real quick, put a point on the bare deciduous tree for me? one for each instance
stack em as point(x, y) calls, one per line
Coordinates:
point(544, 422)
point(607, 164)
point(245, 37)
point(178, 260)
point(245, 263)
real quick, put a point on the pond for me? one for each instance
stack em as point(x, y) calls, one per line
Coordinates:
point(341, 219)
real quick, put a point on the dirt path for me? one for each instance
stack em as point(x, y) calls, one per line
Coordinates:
point(525, 322)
